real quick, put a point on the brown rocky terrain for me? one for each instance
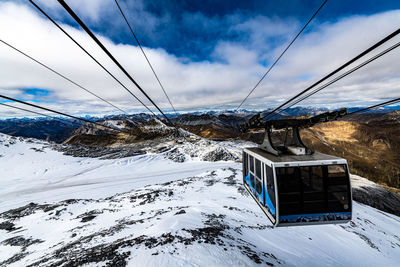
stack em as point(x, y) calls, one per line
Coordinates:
point(370, 142)
point(212, 131)
point(90, 135)
point(371, 147)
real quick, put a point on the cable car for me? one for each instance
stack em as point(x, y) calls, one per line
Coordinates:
point(294, 185)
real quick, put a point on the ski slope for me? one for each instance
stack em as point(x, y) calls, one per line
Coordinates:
point(151, 211)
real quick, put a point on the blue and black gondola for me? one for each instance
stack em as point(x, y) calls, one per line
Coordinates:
point(298, 189)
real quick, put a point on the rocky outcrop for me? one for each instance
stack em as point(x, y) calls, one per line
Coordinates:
point(219, 154)
point(371, 194)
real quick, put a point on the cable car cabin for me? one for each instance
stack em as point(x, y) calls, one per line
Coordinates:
point(298, 189)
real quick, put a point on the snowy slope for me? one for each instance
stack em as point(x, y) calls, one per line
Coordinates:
point(32, 172)
point(166, 213)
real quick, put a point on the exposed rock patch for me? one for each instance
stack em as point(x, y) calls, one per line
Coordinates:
point(219, 154)
point(379, 198)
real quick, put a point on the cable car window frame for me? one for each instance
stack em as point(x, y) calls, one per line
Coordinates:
point(251, 161)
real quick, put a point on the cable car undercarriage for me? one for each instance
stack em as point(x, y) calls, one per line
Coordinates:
point(291, 183)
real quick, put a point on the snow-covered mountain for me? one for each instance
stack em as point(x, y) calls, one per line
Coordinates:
point(175, 204)
point(223, 121)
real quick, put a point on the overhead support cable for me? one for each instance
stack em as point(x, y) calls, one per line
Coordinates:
point(387, 103)
point(41, 114)
point(62, 76)
point(368, 50)
point(339, 77)
point(94, 59)
point(284, 51)
point(144, 54)
point(60, 113)
point(88, 31)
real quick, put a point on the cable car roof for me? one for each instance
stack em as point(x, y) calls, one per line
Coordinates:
point(296, 160)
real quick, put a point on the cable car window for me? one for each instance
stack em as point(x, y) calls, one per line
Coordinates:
point(305, 173)
point(252, 180)
point(289, 185)
point(258, 168)
point(338, 188)
point(312, 178)
point(251, 159)
point(270, 185)
point(317, 177)
point(313, 189)
point(290, 179)
point(338, 201)
point(337, 176)
point(245, 162)
point(336, 171)
point(258, 186)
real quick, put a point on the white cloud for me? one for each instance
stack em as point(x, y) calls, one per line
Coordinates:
point(227, 80)
point(89, 9)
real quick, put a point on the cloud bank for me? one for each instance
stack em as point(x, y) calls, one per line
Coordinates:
point(233, 65)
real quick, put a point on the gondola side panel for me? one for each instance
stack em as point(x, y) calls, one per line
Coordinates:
point(251, 181)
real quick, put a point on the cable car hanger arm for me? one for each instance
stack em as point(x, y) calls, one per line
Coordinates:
point(294, 145)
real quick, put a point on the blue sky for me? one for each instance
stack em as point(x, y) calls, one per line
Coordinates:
point(194, 27)
point(209, 54)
